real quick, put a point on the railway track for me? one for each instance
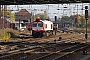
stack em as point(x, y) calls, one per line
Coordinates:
point(32, 49)
point(9, 53)
point(36, 45)
point(57, 55)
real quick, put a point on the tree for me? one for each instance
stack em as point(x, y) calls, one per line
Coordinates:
point(77, 20)
point(89, 20)
point(7, 13)
point(58, 20)
point(42, 17)
point(82, 19)
point(65, 18)
point(11, 15)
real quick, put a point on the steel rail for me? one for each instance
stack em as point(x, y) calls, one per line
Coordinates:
point(59, 54)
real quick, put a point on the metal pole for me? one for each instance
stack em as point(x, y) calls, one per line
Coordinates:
point(58, 11)
point(86, 35)
point(77, 10)
point(3, 15)
point(77, 17)
point(3, 19)
point(19, 24)
point(31, 14)
point(0, 11)
point(82, 8)
point(55, 24)
point(86, 30)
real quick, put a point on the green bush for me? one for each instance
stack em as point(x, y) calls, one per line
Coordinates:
point(13, 35)
point(6, 34)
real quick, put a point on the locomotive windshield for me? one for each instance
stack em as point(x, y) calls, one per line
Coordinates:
point(37, 24)
point(34, 24)
point(23, 24)
point(40, 24)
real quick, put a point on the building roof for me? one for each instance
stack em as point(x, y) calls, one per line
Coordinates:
point(22, 12)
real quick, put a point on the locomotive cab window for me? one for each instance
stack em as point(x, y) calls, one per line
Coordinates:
point(34, 24)
point(23, 24)
point(40, 24)
point(45, 25)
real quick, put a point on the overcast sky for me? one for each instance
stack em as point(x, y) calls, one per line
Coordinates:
point(64, 9)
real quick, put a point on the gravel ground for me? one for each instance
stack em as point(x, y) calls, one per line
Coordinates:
point(88, 59)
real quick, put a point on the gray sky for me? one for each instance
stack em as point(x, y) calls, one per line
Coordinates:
point(73, 8)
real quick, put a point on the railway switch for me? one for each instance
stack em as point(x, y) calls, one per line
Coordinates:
point(86, 12)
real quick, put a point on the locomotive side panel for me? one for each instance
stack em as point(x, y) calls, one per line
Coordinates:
point(48, 25)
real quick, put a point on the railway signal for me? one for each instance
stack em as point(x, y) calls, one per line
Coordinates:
point(86, 17)
point(86, 12)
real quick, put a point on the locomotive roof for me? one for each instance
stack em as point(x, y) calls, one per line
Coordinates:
point(46, 21)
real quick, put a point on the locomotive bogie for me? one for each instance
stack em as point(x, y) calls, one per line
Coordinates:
point(37, 34)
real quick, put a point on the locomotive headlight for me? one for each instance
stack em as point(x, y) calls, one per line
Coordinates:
point(41, 29)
